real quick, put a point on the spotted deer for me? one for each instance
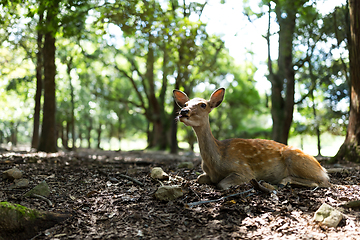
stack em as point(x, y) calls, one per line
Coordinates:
point(235, 161)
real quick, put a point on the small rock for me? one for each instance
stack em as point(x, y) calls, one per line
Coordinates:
point(41, 189)
point(168, 193)
point(188, 165)
point(132, 171)
point(328, 215)
point(11, 174)
point(21, 183)
point(158, 173)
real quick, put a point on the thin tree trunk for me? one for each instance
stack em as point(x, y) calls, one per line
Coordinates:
point(13, 133)
point(80, 138)
point(174, 148)
point(39, 87)
point(99, 130)
point(60, 129)
point(72, 114)
point(317, 127)
point(120, 134)
point(283, 81)
point(89, 128)
point(67, 133)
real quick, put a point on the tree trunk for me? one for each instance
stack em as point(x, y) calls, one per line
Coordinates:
point(158, 138)
point(120, 132)
point(48, 131)
point(89, 128)
point(350, 149)
point(67, 133)
point(72, 114)
point(80, 138)
point(283, 81)
point(317, 126)
point(174, 147)
point(13, 133)
point(99, 136)
point(39, 86)
point(61, 134)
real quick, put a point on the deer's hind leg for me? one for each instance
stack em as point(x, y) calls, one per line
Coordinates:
point(233, 179)
point(304, 170)
point(299, 182)
point(204, 179)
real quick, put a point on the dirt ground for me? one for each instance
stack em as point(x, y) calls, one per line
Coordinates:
point(99, 190)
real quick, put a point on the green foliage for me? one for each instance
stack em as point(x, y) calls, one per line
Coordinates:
point(325, 76)
point(240, 114)
point(320, 63)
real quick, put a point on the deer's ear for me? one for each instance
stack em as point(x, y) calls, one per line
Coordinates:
point(180, 98)
point(217, 97)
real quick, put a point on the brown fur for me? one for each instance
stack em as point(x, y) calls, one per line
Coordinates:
point(236, 161)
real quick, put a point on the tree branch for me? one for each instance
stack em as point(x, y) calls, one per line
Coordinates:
point(142, 105)
point(113, 99)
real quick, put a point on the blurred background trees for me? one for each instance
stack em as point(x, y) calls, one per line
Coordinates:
point(106, 71)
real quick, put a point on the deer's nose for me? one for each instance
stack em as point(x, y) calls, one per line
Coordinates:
point(184, 112)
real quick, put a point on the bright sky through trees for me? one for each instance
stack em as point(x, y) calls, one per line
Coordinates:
point(242, 36)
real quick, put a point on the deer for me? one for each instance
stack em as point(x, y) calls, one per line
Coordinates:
point(237, 161)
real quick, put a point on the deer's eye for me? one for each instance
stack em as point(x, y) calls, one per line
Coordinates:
point(203, 105)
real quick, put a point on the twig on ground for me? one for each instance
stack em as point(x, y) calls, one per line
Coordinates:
point(197, 195)
point(190, 205)
point(259, 187)
point(131, 179)
point(42, 198)
point(122, 176)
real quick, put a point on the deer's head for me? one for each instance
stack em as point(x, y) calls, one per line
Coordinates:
point(195, 112)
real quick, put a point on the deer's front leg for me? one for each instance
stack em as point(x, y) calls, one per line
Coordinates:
point(233, 179)
point(204, 179)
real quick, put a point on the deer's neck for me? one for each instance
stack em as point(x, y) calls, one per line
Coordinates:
point(209, 146)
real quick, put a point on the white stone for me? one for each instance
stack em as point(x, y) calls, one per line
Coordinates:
point(11, 174)
point(168, 193)
point(158, 173)
point(328, 215)
point(188, 165)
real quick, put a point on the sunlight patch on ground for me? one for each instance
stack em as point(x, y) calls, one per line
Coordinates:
point(330, 144)
point(125, 144)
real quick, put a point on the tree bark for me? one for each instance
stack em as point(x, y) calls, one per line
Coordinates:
point(48, 139)
point(88, 136)
point(283, 80)
point(13, 133)
point(174, 147)
point(72, 112)
point(350, 149)
point(39, 86)
point(158, 136)
point(99, 130)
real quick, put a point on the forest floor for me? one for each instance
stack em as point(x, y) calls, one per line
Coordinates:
point(104, 204)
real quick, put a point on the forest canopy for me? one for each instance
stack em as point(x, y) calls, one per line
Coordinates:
point(92, 73)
